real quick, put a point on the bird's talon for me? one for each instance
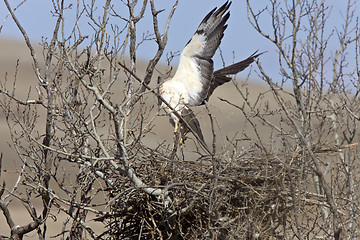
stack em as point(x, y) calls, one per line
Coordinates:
point(181, 143)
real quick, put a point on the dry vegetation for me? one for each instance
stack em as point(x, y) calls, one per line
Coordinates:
point(92, 156)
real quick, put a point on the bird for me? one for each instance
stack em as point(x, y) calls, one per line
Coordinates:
point(195, 79)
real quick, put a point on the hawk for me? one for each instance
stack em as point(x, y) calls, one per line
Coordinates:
point(195, 79)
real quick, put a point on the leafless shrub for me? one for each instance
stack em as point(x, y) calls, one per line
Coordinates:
point(81, 136)
point(317, 119)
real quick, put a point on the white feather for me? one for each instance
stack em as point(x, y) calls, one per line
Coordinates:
point(184, 88)
point(188, 71)
point(195, 46)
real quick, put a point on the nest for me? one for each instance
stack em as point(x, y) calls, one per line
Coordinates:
point(247, 198)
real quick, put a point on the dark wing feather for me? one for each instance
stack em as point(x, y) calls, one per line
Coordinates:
point(213, 27)
point(221, 76)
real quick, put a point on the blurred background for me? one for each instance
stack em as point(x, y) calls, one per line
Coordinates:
point(240, 39)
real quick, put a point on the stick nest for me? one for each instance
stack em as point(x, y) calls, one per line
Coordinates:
point(246, 197)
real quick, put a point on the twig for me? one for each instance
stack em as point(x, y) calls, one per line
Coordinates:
point(160, 41)
point(22, 102)
point(2, 25)
point(28, 43)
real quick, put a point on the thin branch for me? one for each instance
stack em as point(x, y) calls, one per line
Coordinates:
point(2, 25)
point(160, 41)
point(28, 43)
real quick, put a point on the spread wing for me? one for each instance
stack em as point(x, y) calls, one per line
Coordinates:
point(196, 66)
point(221, 76)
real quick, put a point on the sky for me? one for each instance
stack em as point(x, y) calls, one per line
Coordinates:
point(240, 39)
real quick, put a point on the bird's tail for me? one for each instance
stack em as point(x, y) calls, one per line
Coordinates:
point(189, 116)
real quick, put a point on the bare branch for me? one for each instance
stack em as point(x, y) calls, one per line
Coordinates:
point(28, 43)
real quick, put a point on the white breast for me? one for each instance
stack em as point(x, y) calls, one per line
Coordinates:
point(175, 94)
point(189, 75)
